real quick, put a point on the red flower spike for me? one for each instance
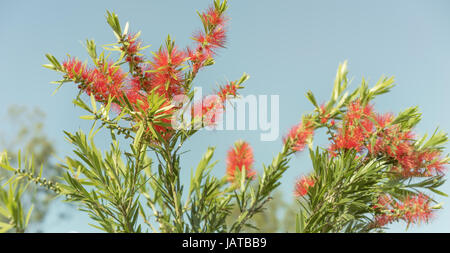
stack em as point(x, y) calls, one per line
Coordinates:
point(239, 157)
point(207, 43)
point(74, 68)
point(413, 209)
point(416, 209)
point(97, 82)
point(324, 117)
point(167, 76)
point(212, 107)
point(197, 57)
point(357, 126)
point(383, 119)
point(302, 185)
point(211, 110)
point(213, 17)
point(228, 90)
point(134, 44)
point(299, 135)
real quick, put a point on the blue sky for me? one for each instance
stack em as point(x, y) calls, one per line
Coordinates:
point(287, 47)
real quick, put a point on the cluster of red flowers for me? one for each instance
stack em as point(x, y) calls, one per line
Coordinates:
point(228, 90)
point(324, 116)
point(299, 135)
point(213, 106)
point(357, 127)
point(303, 184)
point(209, 40)
point(364, 130)
point(162, 75)
point(104, 81)
point(240, 157)
point(134, 44)
point(413, 209)
point(399, 145)
point(167, 77)
point(211, 109)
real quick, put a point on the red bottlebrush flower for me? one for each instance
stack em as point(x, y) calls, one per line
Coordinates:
point(212, 106)
point(108, 83)
point(413, 209)
point(382, 220)
point(211, 110)
point(167, 75)
point(134, 44)
point(239, 157)
point(228, 90)
point(213, 17)
point(405, 155)
point(432, 163)
point(383, 119)
point(384, 201)
point(399, 145)
point(162, 59)
point(385, 215)
point(416, 209)
point(299, 135)
point(211, 41)
point(303, 184)
point(324, 117)
point(217, 38)
point(419, 164)
point(201, 38)
point(102, 82)
point(357, 126)
point(357, 111)
point(74, 68)
point(197, 57)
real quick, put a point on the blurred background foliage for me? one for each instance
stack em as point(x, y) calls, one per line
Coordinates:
point(24, 128)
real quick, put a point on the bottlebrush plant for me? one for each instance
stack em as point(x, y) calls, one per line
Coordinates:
point(374, 172)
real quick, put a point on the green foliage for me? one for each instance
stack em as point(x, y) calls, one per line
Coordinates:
point(348, 183)
point(11, 208)
point(125, 191)
point(13, 190)
point(19, 168)
point(342, 195)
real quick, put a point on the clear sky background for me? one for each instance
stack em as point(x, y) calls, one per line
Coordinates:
point(287, 47)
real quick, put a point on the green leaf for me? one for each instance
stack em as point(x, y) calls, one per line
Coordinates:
point(5, 227)
point(438, 192)
point(125, 30)
point(311, 98)
point(29, 215)
point(137, 138)
point(88, 117)
point(93, 103)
